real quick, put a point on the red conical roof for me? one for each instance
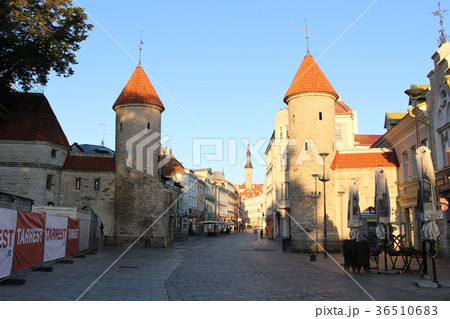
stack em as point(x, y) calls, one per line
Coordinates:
point(139, 89)
point(309, 78)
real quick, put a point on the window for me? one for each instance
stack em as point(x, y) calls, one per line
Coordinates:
point(148, 126)
point(49, 181)
point(414, 163)
point(339, 131)
point(320, 116)
point(445, 148)
point(284, 192)
point(120, 127)
point(97, 184)
point(53, 153)
point(405, 166)
point(306, 146)
point(77, 183)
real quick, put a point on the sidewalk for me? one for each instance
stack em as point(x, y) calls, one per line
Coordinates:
point(139, 275)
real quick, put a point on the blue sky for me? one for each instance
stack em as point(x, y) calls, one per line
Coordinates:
point(226, 65)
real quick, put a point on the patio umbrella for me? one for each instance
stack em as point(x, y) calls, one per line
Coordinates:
point(382, 209)
point(382, 203)
point(429, 200)
point(428, 205)
point(354, 212)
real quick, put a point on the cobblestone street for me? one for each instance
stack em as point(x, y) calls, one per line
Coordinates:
point(230, 267)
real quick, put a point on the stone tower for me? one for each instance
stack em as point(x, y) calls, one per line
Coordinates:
point(248, 169)
point(140, 199)
point(311, 110)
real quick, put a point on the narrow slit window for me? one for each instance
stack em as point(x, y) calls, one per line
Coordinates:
point(77, 183)
point(320, 116)
point(148, 126)
point(306, 146)
point(97, 184)
point(120, 127)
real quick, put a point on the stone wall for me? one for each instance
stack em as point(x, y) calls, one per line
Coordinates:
point(101, 201)
point(25, 167)
point(143, 206)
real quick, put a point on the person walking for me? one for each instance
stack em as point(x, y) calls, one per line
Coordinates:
point(261, 233)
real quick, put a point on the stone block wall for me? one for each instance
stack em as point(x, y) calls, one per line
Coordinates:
point(101, 201)
point(143, 206)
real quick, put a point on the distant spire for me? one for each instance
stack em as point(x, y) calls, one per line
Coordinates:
point(140, 48)
point(440, 13)
point(248, 164)
point(307, 37)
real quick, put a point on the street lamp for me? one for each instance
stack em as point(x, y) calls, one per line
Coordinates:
point(316, 176)
point(324, 180)
point(414, 94)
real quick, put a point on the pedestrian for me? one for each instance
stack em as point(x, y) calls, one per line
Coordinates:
point(255, 231)
point(261, 233)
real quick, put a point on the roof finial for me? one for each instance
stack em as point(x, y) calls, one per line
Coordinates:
point(307, 37)
point(443, 37)
point(140, 48)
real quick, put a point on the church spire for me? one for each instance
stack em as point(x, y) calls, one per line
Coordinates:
point(248, 169)
point(248, 164)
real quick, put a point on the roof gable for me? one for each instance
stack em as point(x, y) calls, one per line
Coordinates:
point(341, 108)
point(172, 167)
point(309, 78)
point(139, 89)
point(30, 118)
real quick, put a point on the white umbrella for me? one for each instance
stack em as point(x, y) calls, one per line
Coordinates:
point(382, 209)
point(382, 203)
point(427, 196)
point(354, 212)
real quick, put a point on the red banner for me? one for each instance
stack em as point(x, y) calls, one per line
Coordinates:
point(29, 243)
point(8, 222)
point(73, 234)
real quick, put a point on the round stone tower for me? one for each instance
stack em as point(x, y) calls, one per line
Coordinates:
point(142, 205)
point(138, 125)
point(312, 134)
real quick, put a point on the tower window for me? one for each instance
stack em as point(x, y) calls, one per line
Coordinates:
point(97, 184)
point(148, 126)
point(53, 154)
point(120, 127)
point(293, 118)
point(320, 116)
point(77, 183)
point(306, 146)
point(49, 182)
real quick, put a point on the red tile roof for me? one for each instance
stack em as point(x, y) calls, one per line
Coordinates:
point(139, 89)
point(366, 140)
point(364, 159)
point(30, 118)
point(172, 167)
point(342, 108)
point(256, 190)
point(90, 163)
point(309, 78)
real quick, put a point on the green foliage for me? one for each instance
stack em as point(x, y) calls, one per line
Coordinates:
point(36, 37)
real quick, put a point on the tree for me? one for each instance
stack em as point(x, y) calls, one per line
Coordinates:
point(37, 37)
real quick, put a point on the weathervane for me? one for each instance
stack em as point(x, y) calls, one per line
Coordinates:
point(440, 13)
point(306, 36)
point(140, 48)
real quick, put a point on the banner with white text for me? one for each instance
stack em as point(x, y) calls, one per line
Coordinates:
point(55, 237)
point(8, 221)
point(29, 241)
point(73, 233)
